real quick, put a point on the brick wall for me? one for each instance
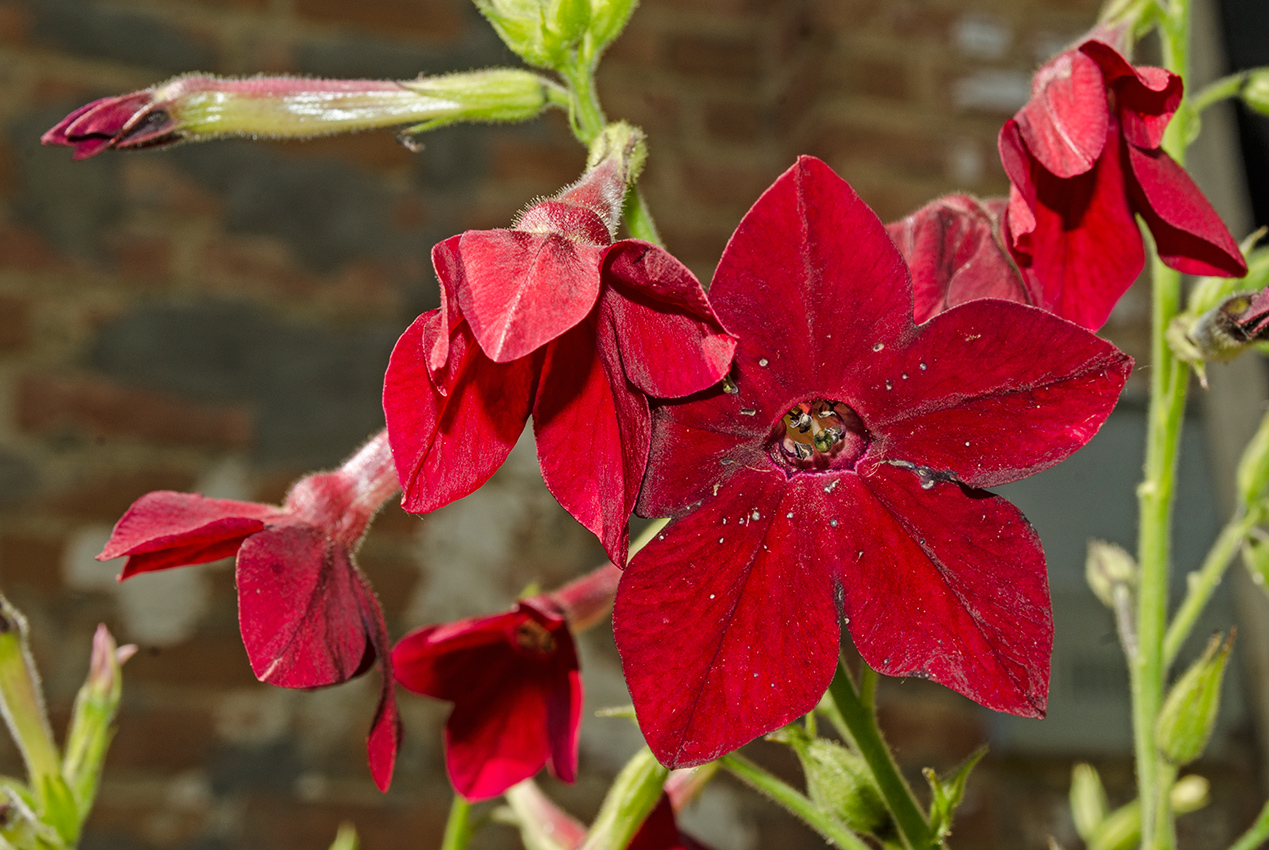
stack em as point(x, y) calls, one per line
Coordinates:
point(217, 317)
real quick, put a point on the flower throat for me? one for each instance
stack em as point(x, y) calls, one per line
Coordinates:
point(820, 434)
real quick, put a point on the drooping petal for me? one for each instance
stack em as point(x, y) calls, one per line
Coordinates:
point(809, 282)
point(947, 584)
point(991, 392)
point(671, 342)
point(1083, 250)
point(727, 623)
point(592, 429)
point(518, 291)
point(384, 739)
point(447, 445)
point(1190, 236)
point(1145, 97)
point(955, 253)
point(1064, 123)
point(168, 529)
point(300, 609)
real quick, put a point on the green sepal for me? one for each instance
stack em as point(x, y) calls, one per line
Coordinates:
point(946, 794)
point(521, 24)
point(346, 838)
point(607, 19)
point(60, 811)
point(630, 799)
point(1089, 805)
point(838, 781)
point(1121, 829)
point(1252, 477)
point(1256, 559)
point(1188, 715)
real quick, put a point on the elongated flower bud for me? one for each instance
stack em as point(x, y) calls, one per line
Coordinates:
point(1188, 715)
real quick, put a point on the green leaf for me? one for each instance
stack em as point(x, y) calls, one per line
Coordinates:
point(948, 793)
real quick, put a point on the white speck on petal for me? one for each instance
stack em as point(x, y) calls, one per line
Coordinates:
point(763, 362)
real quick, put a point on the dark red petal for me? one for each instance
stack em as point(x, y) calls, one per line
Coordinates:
point(962, 576)
point(167, 529)
point(809, 282)
point(1189, 234)
point(518, 291)
point(448, 270)
point(384, 739)
point(447, 445)
point(726, 622)
point(671, 342)
point(1064, 123)
point(992, 392)
point(1145, 97)
point(592, 429)
point(659, 831)
point(1084, 249)
point(299, 608)
point(955, 253)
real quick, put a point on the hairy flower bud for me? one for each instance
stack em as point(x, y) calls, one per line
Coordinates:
point(1089, 806)
point(1188, 715)
point(1255, 92)
point(838, 780)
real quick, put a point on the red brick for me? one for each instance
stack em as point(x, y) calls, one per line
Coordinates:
point(550, 163)
point(255, 266)
point(141, 258)
point(874, 76)
point(731, 188)
point(106, 498)
point(914, 155)
point(377, 150)
point(152, 184)
point(104, 409)
point(23, 249)
point(15, 23)
point(739, 122)
point(281, 822)
point(206, 661)
point(31, 560)
point(15, 322)
point(734, 59)
point(429, 18)
point(161, 738)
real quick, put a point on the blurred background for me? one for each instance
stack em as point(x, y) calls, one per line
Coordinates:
point(217, 318)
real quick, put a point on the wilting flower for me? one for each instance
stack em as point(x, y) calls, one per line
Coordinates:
point(1083, 156)
point(198, 107)
point(554, 319)
point(516, 689)
point(841, 480)
point(308, 616)
point(955, 253)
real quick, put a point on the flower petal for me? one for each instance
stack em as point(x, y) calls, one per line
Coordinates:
point(962, 575)
point(384, 739)
point(167, 529)
point(809, 282)
point(1083, 249)
point(447, 445)
point(1189, 234)
point(592, 429)
point(737, 583)
point(1064, 123)
point(955, 254)
point(518, 291)
point(1146, 97)
point(299, 609)
point(671, 342)
point(991, 392)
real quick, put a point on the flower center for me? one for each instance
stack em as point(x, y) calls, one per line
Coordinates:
point(820, 434)
point(533, 637)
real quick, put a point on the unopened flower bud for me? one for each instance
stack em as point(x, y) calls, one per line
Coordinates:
point(1225, 330)
point(92, 719)
point(528, 28)
point(1089, 806)
point(608, 18)
point(1255, 92)
point(1190, 793)
point(838, 781)
point(1188, 715)
point(1108, 568)
point(543, 825)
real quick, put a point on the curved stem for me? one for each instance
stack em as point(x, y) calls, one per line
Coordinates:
point(861, 721)
point(1256, 834)
point(1221, 89)
point(458, 826)
point(1203, 582)
point(796, 803)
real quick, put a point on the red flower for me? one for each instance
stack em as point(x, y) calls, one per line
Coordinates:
point(551, 319)
point(516, 689)
point(955, 253)
point(660, 831)
point(125, 121)
point(841, 480)
point(308, 616)
point(1083, 156)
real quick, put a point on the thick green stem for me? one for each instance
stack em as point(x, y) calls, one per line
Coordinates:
point(587, 115)
point(861, 721)
point(639, 218)
point(1256, 834)
point(798, 804)
point(1202, 584)
point(458, 827)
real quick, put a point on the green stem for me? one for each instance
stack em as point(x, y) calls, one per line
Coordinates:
point(793, 801)
point(458, 826)
point(587, 115)
point(22, 701)
point(639, 219)
point(868, 686)
point(1203, 582)
point(1221, 89)
point(861, 720)
point(1256, 834)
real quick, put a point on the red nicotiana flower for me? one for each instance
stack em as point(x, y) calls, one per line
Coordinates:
point(516, 689)
point(840, 483)
point(124, 121)
point(660, 831)
point(1083, 156)
point(308, 616)
point(514, 681)
point(550, 318)
point(955, 253)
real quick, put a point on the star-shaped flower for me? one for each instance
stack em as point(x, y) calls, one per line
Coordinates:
point(516, 689)
point(841, 482)
point(554, 319)
point(1083, 156)
point(308, 616)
